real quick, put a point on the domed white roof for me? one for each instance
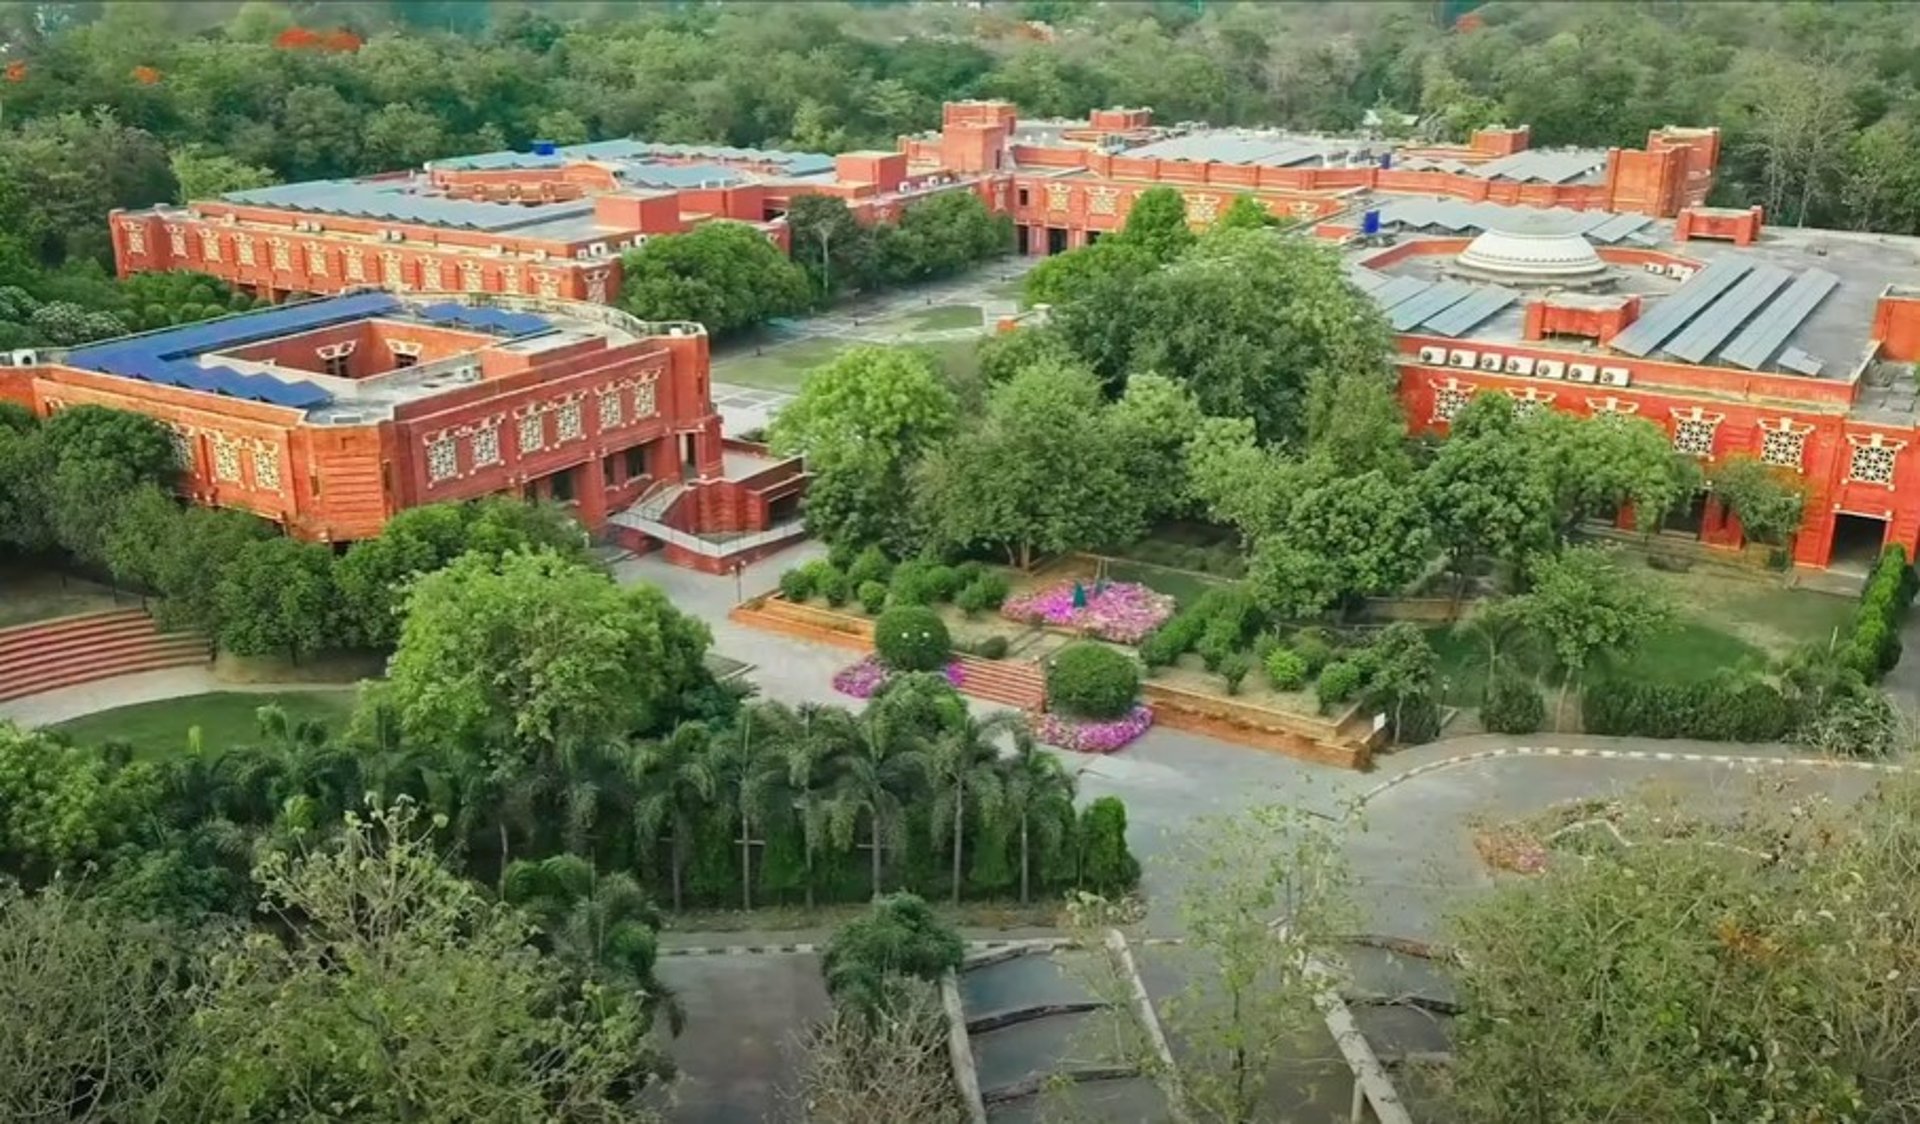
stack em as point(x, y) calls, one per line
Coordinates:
point(1538, 251)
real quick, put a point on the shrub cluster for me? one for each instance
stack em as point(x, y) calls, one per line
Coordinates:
point(912, 638)
point(1222, 621)
point(1286, 670)
point(1724, 708)
point(1339, 681)
point(1088, 680)
point(1874, 644)
point(1513, 706)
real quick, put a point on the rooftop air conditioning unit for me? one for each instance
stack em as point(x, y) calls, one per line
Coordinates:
point(1615, 376)
point(598, 249)
point(1437, 356)
point(26, 358)
point(1519, 365)
point(1679, 272)
point(1490, 362)
point(1581, 372)
point(496, 248)
point(1458, 358)
point(1550, 369)
point(1654, 267)
point(539, 255)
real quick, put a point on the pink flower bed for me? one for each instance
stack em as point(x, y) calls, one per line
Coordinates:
point(864, 679)
point(1123, 612)
point(1093, 737)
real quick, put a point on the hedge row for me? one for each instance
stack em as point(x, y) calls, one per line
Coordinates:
point(1724, 708)
point(1873, 646)
point(875, 582)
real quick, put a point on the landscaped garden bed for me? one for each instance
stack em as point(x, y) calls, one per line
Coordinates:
point(863, 678)
point(1122, 612)
point(1092, 735)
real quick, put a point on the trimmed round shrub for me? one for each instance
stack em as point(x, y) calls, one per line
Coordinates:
point(914, 583)
point(993, 587)
point(1512, 706)
point(1314, 647)
point(966, 573)
point(1235, 669)
point(841, 555)
point(912, 638)
point(796, 585)
point(1091, 681)
point(836, 587)
point(1286, 670)
point(992, 648)
point(1160, 648)
point(973, 600)
point(873, 596)
point(871, 566)
point(1339, 681)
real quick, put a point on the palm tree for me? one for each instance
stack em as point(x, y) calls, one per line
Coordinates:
point(883, 764)
point(964, 764)
point(1038, 794)
point(747, 762)
point(675, 779)
point(602, 926)
point(812, 761)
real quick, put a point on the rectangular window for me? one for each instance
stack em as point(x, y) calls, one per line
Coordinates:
point(636, 462)
point(563, 486)
point(337, 365)
point(1023, 197)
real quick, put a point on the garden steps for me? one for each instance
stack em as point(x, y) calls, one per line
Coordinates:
point(49, 655)
point(1018, 685)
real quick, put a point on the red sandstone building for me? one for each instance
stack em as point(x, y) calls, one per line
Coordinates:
point(1796, 347)
point(329, 416)
point(1589, 280)
point(552, 222)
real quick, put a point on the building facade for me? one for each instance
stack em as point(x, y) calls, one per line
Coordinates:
point(330, 416)
point(551, 222)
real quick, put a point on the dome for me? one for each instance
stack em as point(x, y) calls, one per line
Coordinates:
point(1533, 251)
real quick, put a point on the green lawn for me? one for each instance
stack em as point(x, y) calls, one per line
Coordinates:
point(783, 367)
point(225, 718)
point(1183, 586)
point(943, 318)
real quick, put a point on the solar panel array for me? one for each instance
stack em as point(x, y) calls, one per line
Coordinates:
point(391, 201)
point(486, 319)
point(792, 163)
point(1456, 215)
point(166, 357)
point(1447, 308)
point(1545, 166)
point(1673, 313)
point(1231, 148)
point(1753, 347)
point(1749, 303)
point(1723, 317)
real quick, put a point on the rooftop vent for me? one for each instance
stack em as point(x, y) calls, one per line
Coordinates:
point(545, 148)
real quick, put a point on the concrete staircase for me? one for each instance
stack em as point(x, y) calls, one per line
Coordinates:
point(1016, 684)
point(48, 655)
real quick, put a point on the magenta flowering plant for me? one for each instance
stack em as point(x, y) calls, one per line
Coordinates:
point(1123, 612)
point(1093, 737)
point(864, 679)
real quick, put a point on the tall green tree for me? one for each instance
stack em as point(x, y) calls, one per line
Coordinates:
point(601, 925)
point(677, 786)
point(1038, 798)
point(276, 595)
point(884, 765)
point(1585, 606)
point(1157, 224)
point(1045, 471)
point(1485, 488)
point(724, 275)
point(966, 781)
point(864, 422)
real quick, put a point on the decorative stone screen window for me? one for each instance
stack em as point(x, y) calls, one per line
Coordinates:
point(355, 265)
point(1785, 447)
point(243, 249)
point(443, 460)
point(597, 286)
point(1694, 436)
point(471, 279)
point(266, 466)
point(612, 410)
point(570, 423)
point(646, 400)
point(317, 261)
point(282, 254)
point(1873, 458)
point(226, 460)
point(136, 237)
point(1203, 207)
point(533, 433)
point(486, 444)
point(1059, 196)
point(182, 443)
point(1103, 201)
point(1449, 398)
point(1528, 402)
point(210, 245)
point(177, 240)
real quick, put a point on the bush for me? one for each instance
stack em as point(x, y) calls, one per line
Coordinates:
point(1512, 705)
point(1088, 680)
point(1234, 669)
point(1727, 707)
point(992, 648)
point(871, 566)
point(1416, 720)
point(1874, 646)
point(1314, 647)
point(1160, 648)
point(1106, 865)
point(912, 638)
point(969, 572)
point(918, 582)
point(1286, 670)
point(873, 596)
point(835, 586)
point(841, 556)
point(1338, 682)
point(982, 593)
point(796, 585)
point(1214, 649)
